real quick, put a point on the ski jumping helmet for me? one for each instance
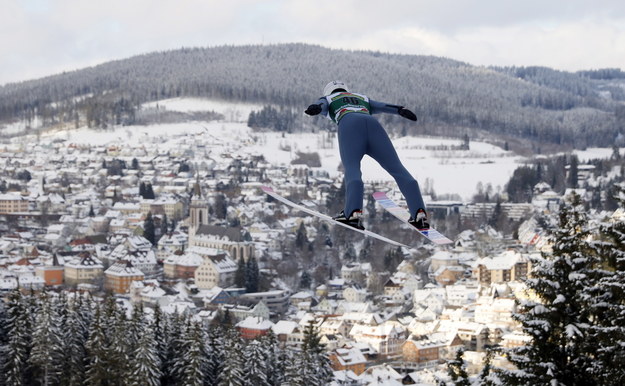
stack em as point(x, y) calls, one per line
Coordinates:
point(334, 86)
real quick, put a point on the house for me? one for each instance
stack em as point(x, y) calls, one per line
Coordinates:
point(448, 274)
point(348, 358)
point(354, 294)
point(507, 266)
point(182, 266)
point(424, 349)
point(283, 329)
point(52, 274)
point(277, 300)
point(497, 311)
point(254, 327)
point(119, 276)
point(83, 269)
point(386, 338)
point(147, 292)
point(216, 269)
point(242, 311)
point(13, 203)
point(391, 287)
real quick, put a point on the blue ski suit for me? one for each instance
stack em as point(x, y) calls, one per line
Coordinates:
point(359, 133)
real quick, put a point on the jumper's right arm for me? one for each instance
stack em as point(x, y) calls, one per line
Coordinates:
point(321, 107)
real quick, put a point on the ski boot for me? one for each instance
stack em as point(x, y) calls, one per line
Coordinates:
point(420, 221)
point(354, 219)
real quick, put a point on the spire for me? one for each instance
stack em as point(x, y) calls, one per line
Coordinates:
point(197, 191)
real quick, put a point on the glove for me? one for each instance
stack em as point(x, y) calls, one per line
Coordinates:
point(407, 114)
point(313, 110)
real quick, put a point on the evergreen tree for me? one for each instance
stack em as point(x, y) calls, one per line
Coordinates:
point(75, 337)
point(195, 357)
point(275, 359)
point(457, 370)
point(607, 303)
point(148, 229)
point(18, 346)
point(240, 275)
point(315, 364)
point(232, 369)
point(97, 356)
point(215, 346)
point(573, 172)
point(174, 330)
point(164, 225)
point(255, 364)
point(149, 192)
point(558, 322)
point(305, 280)
point(142, 189)
point(47, 350)
point(301, 238)
point(134, 164)
point(145, 364)
point(91, 212)
point(252, 279)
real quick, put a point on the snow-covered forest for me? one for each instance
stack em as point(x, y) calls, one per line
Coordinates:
point(46, 339)
point(452, 98)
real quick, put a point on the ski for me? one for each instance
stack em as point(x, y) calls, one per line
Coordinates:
point(268, 190)
point(391, 206)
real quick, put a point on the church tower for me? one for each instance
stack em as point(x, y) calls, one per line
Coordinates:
point(198, 210)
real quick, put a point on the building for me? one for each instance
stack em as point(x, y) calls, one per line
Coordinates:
point(230, 239)
point(51, 274)
point(13, 203)
point(119, 276)
point(182, 266)
point(277, 301)
point(83, 269)
point(508, 266)
point(216, 270)
point(253, 327)
point(348, 358)
point(386, 338)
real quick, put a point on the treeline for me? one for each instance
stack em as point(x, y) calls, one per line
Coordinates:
point(537, 104)
point(563, 172)
point(49, 339)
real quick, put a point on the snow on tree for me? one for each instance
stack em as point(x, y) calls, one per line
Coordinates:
point(607, 303)
point(47, 347)
point(97, 352)
point(74, 335)
point(18, 346)
point(255, 364)
point(457, 370)
point(314, 361)
point(558, 322)
point(194, 356)
point(232, 371)
point(144, 367)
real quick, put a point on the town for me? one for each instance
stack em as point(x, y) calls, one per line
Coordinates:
point(190, 231)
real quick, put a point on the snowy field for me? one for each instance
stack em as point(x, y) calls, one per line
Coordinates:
point(447, 171)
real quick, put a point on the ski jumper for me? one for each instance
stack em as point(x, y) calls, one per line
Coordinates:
point(359, 133)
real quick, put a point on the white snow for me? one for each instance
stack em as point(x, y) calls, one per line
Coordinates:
point(446, 171)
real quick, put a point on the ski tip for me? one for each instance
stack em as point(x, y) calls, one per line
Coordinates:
point(266, 189)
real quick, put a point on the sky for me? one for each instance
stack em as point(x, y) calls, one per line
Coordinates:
point(46, 37)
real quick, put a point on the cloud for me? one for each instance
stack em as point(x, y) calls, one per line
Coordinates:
point(43, 37)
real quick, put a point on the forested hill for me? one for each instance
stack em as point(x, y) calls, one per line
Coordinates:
point(450, 97)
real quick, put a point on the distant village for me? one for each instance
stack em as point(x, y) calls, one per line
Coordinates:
point(71, 221)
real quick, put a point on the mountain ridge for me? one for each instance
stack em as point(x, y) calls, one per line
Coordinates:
point(534, 105)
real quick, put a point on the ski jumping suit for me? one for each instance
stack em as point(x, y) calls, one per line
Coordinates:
point(359, 134)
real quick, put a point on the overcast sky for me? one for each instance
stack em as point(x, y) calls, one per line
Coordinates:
point(45, 37)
